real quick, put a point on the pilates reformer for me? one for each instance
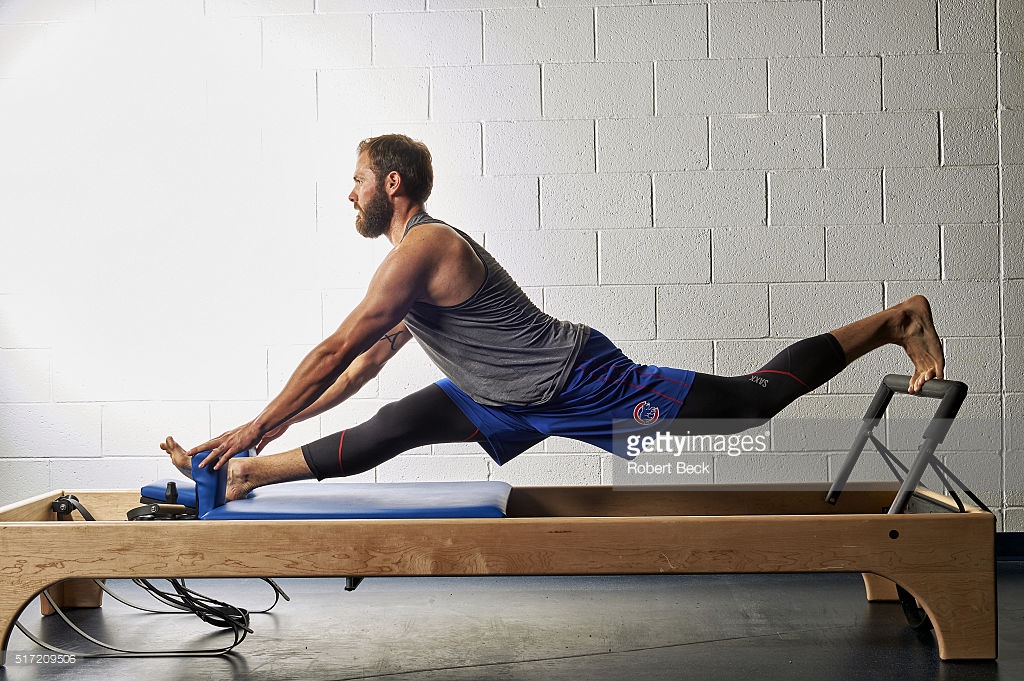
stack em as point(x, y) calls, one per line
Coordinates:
point(932, 552)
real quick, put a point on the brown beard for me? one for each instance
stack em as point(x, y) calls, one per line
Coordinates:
point(375, 219)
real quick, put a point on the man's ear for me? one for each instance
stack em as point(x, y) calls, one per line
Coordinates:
point(393, 183)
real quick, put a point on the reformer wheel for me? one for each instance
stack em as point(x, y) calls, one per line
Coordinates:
point(917, 618)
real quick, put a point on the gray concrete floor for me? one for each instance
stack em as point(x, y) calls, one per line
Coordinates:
point(759, 627)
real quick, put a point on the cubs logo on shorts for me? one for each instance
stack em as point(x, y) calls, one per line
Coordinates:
point(645, 413)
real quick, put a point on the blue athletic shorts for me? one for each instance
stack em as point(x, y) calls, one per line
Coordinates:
point(607, 395)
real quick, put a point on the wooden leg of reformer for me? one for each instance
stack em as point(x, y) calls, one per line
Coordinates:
point(962, 609)
point(14, 597)
point(879, 589)
point(72, 593)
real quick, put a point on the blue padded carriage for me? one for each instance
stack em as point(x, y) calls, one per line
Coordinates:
point(310, 500)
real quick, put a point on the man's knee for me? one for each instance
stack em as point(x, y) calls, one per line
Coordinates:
point(389, 414)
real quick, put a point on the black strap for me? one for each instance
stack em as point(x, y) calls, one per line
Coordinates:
point(180, 597)
point(67, 504)
point(941, 470)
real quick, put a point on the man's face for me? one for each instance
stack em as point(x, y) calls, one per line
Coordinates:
point(367, 197)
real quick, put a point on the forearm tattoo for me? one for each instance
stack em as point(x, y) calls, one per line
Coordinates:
point(392, 338)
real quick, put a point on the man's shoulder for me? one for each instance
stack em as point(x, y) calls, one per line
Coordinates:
point(433, 237)
point(451, 267)
point(431, 226)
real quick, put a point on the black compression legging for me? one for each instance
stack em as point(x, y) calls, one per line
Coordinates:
point(722, 405)
point(426, 417)
point(714, 405)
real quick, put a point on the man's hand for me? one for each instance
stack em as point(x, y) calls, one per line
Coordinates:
point(270, 436)
point(226, 445)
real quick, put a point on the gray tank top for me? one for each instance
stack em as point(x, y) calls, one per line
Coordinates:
point(497, 346)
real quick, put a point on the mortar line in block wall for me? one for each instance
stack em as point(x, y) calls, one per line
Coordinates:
point(942, 252)
point(654, 88)
point(885, 217)
point(540, 203)
point(707, 142)
point(824, 141)
point(1004, 438)
point(941, 141)
point(482, 144)
point(540, 88)
point(657, 334)
point(651, 187)
point(707, 31)
point(373, 30)
point(881, 80)
point(430, 92)
point(821, 24)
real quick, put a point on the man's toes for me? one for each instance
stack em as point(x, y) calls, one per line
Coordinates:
point(173, 447)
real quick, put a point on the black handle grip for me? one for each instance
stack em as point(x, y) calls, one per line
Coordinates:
point(950, 393)
point(936, 387)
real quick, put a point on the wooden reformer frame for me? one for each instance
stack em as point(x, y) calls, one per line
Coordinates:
point(942, 557)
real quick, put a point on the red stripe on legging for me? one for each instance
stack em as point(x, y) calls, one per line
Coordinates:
point(784, 373)
point(473, 435)
point(341, 441)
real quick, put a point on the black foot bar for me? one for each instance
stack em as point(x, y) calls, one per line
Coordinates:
point(951, 395)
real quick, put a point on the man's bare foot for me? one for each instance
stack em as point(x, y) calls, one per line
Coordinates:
point(179, 457)
point(246, 473)
point(915, 333)
point(240, 481)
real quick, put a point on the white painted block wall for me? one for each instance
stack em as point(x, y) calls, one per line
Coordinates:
point(704, 181)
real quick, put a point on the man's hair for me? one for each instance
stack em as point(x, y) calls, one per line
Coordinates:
point(409, 158)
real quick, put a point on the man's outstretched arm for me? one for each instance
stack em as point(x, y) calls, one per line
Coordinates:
point(362, 370)
point(397, 284)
